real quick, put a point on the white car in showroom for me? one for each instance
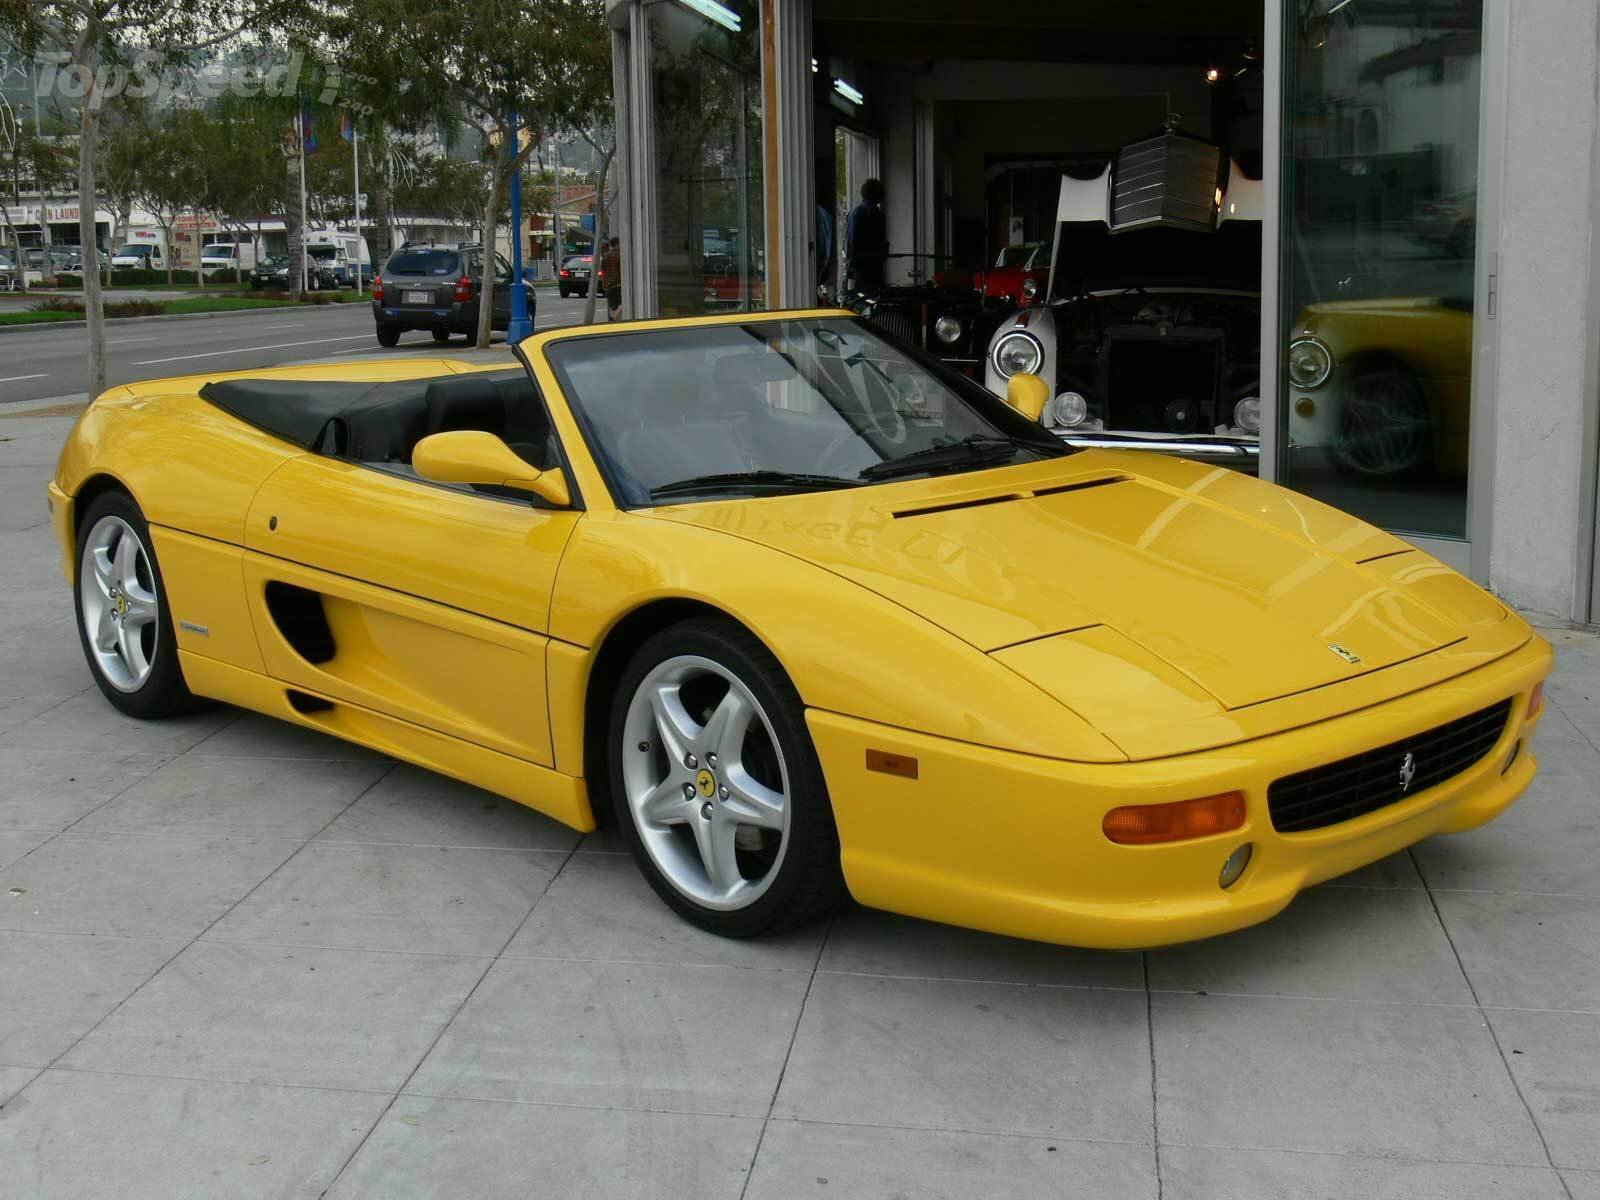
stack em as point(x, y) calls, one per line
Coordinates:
point(1150, 331)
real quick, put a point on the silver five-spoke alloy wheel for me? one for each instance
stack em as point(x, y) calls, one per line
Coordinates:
point(119, 605)
point(706, 782)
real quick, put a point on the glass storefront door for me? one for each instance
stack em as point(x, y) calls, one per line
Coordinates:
point(1377, 271)
point(705, 85)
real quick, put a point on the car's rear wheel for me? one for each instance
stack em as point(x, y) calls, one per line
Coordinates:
point(1384, 428)
point(441, 335)
point(565, 292)
point(388, 335)
point(716, 784)
point(124, 622)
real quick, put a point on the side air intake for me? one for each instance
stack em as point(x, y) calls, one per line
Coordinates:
point(297, 612)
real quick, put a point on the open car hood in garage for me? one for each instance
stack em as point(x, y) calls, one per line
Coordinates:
point(1240, 592)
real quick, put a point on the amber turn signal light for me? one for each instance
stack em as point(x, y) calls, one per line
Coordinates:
point(1148, 824)
point(1535, 701)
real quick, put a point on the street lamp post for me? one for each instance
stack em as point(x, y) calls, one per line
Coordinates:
point(521, 326)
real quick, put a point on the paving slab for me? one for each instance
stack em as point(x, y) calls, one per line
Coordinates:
point(1333, 1077)
point(601, 908)
point(12, 1081)
point(1527, 951)
point(984, 1057)
point(1582, 1185)
point(52, 789)
point(414, 807)
point(56, 986)
point(422, 899)
point(1340, 943)
point(295, 1016)
point(236, 797)
point(15, 843)
point(864, 942)
point(73, 1135)
point(87, 723)
point(624, 1035)
point(490, 1150)
point(806, 1159)
point(1202, 1173)
point(137, 886)
point(1555, 1059)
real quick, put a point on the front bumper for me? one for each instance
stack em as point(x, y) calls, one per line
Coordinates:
point(1012, 844)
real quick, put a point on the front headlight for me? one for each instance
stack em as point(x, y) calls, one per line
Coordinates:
point(1247, 414)
point(1030, 289)
point(948, 329)
point(1066, 411)
point(1018, 354)
point(1310, 363)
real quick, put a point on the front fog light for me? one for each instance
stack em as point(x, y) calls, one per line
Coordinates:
point(1066, 411)
point(1234, 866)
point(948, 329)
point(1247, 414)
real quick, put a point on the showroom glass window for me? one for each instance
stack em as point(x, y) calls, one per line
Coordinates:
point(705, 81)
point(1380, 171)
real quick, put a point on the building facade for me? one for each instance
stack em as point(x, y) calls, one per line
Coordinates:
point(1431, 179)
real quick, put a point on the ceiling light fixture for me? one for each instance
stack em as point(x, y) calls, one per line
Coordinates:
point(850, 92)
point(720, 13)
point(1213, 74)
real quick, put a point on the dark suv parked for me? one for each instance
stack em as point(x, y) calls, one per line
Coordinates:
point(436, 288)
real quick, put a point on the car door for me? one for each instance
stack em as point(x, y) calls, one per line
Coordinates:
point(428, 602)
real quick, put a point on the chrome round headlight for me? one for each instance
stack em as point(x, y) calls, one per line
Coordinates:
point(1018, 354)
point(1310, 363)
point(1066, 411)
point(1247, 414)
point(1030, 289)
point(948, 329)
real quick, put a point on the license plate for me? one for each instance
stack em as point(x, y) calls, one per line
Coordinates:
point(419, 297)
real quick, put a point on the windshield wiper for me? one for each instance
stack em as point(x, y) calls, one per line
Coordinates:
point(734, 481)
point(979, 448)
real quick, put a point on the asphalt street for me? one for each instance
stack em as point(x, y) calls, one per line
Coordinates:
point(53, 361)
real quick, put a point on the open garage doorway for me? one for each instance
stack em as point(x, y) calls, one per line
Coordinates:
point(1086, 177)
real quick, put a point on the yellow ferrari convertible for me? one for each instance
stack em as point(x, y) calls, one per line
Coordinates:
point(804, 614)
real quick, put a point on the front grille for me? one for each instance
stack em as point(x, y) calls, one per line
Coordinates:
point(1366, 782)
point(899, 323)
point(1163, 381)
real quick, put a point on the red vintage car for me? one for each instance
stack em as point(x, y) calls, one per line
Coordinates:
point(1013, 267)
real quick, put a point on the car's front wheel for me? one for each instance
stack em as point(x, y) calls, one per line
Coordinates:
point(124, 622)
point(1384, 428)
point(716, 785)
point(388, 335)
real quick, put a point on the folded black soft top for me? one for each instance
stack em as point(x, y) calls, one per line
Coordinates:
point(369, 422)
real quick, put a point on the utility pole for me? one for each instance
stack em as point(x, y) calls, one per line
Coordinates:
point(520, 326)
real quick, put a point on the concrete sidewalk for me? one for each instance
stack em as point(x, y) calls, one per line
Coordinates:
point(239, 959)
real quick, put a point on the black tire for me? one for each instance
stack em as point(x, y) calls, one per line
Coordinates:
point(163, 692)
point(388, 335)
point(1385, 431)
point(565, 292)
point(441, 335)
point(807, 883)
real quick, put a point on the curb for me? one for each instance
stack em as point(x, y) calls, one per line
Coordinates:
point(41, 326)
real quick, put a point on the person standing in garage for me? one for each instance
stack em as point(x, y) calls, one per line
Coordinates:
point(866, 239)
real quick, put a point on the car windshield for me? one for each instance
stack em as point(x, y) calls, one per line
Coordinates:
point(1093, 259)
point(1013, 256)
point(132, 251)
point(219, 250)
point(776, 406)
point(321, 253)
point(423, 262)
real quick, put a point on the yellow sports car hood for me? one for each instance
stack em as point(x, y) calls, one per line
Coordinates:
point(1202, 583)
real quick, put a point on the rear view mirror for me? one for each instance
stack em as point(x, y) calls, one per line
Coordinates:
point(474, 457)
point(1028, 394)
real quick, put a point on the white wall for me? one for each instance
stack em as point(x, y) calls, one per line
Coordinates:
point(1541, 374)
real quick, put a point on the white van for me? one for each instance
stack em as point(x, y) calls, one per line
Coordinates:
point(227, 256)
point(144, 248)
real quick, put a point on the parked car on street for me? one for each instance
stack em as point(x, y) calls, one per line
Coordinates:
point(142, 250)
point(573, 277)
point(1149, 335)
point(1450, 222)
point(801, 615)
point(227, 256)
point(271, 272)
point(436, 288)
